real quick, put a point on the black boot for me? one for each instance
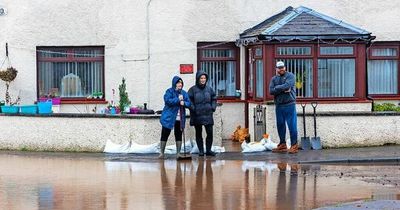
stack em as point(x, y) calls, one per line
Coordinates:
point(199, 143)
point(178, 149)
point(163, 144)
point(209, 142)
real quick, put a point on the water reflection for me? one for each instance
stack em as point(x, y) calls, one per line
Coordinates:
point(61, 183)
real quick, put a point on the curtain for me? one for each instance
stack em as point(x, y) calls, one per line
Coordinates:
point(382, 77)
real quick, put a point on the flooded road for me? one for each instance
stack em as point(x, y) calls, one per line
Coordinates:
point(47, 182)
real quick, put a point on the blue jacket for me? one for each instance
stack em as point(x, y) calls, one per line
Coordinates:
point(279, 84)
point(172, 105)
point(203, 102)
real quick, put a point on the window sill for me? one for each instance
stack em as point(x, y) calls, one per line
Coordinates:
point(385, 97)
point(230, 100)
point(84, 101)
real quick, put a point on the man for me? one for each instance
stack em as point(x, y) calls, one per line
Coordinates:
point(282, 87)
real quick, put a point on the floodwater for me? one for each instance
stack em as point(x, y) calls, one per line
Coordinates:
point(48, 182)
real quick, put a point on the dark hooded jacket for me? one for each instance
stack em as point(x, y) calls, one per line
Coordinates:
point(203, 102)
point(172, 105)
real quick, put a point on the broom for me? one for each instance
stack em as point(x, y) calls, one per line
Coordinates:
point(185, 156)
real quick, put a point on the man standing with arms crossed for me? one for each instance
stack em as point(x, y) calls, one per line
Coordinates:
point(282, 87)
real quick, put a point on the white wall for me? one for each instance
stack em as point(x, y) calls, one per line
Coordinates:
point(338, 130)
point(175, 28)
point(233, 115)
point(78, 133)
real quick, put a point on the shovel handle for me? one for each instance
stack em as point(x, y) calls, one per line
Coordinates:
point(304, 119)
point(314, 105)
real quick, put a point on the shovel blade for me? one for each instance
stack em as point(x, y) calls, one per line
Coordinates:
point(305, 143)
point(316, 143)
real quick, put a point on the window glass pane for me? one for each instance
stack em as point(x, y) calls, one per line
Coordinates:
point(251, 77)
point(259, 79)
point(220, 53)
point(303, 71)
point(294, 50)
point(336, 50)
point(222, 76)
point(336, 78)
point(258, 52)
point(382, 77)
point(72, 79)
point(384, 52)
point(52, 53)
point(87, 53)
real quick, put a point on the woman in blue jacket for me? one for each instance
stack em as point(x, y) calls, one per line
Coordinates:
point(173, 115)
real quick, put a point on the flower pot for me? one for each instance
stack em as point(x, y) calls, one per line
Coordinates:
point(29, 109)
point(10, 109)
point(299, 85)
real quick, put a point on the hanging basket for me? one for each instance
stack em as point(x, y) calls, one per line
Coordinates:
point(9, 74)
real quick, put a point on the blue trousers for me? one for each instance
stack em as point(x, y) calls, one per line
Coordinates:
point(286, 114)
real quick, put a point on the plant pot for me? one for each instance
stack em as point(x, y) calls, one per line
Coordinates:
point(10, 109)
point(299, 85)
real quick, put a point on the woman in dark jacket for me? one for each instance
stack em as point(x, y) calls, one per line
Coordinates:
point(173, 115)
point(203, 104)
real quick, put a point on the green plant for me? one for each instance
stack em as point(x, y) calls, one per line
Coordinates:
point(123, 96)
point(386, 107)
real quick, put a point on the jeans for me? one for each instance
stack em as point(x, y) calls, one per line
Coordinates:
point(286, 114)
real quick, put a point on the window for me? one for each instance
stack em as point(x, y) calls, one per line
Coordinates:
point(382, 70)
point(256, 73)
point(260, 79)
point(76, 72)
point(336, 50)
point(321, 71)
point(336, 78)
point(303, 71)
point(220, 62)
point(298, 60)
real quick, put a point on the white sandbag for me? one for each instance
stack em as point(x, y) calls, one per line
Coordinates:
point(216, 149)
point(270, 145)
point(253, 146)
point(171, 149)
point(144, 149)
point(111, 147)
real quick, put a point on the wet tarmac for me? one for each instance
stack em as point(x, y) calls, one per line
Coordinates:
point(95, 181)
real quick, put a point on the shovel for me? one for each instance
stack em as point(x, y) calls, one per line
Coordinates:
point(184, 156)
point(305, 141)
point(315, 141)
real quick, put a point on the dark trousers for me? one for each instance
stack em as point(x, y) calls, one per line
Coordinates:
point(199, 137)
point(286, 115)
point(177, 131)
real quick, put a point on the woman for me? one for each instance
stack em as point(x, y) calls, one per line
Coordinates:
point(173, 115)
point(203, 104)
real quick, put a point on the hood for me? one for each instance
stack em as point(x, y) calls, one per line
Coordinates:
point(175, 80)
point(198, 75)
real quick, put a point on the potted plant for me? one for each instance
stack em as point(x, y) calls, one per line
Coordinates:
point(8, 76)
point(300, 77)
point(124, 101)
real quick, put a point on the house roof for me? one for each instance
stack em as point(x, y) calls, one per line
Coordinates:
point(303, 24)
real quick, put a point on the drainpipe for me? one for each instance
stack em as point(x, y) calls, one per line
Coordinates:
point(148, 51)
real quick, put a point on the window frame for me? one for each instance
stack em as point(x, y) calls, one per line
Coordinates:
point(354, 55)
point(70, 58)
point(235, 58)
point(315, 56)
point(382, 45)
